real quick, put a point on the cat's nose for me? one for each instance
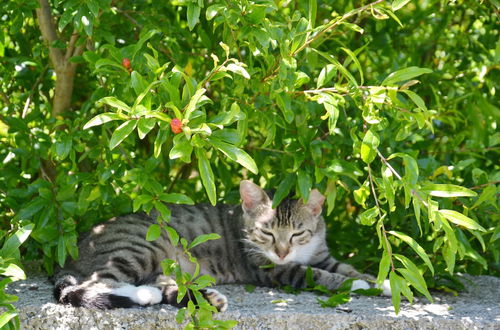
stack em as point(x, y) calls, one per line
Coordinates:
point(282, 253)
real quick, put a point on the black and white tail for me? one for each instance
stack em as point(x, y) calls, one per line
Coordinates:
point(93, 294)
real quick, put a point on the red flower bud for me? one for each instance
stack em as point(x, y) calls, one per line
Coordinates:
point(176, 125)
point(126, 63)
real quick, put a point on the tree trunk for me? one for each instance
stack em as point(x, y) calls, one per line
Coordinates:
point(65, 75)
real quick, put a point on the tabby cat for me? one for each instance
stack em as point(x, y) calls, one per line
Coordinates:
point(119, 268)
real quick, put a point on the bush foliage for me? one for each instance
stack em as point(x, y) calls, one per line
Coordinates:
point(389, 108)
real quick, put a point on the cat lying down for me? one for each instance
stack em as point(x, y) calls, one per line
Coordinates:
point(117, 267)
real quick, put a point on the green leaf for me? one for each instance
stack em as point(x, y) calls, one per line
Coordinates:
point(311, 13)
point(193, 102)
point(283, 189)
point(284, 102)
point(104, 118)
point(361, 194)
point(181, 315)
point(160, 139)
point(356, 62)
point(115, 103)
point(13, 243)
point(175, 198)
point(413, 276)
point(404, 74)
point(397, 282)
point(207, 176)
point(144, 126)
point(140, 200)
point(416, 99)
point(193, 15)
point(383, 267)
point(461, 220)
point(339, 66)
point(63, 147)
point(249, 288)
point(488, 194)
point(203, 238)
point(447, 190)
point(12, 271)
point(172, 235)
point(326, 74)
point(182, 149)
point(7, 316)
point(235, 154)
point(335, 300)
point(163, 209)
point(372, 292)
point(415, 246)
point(154, 232)
point(369, 146)
point(368, 217)
point(238, 69)
point(304, 182)
point(398, 4)
point(121, 133)
point(212, 11)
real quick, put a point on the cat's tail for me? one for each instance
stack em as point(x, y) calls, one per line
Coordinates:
point(94, 294)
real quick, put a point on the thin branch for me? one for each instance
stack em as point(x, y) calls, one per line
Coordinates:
point(71, 45)
point(334, 24)
point(484, 185)
point(384, 232)
point(384, 160)
point(48, 30)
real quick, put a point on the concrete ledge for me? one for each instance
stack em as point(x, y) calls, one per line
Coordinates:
point(479, 308)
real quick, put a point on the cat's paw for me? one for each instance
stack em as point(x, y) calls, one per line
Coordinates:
point(143, 295)
point(359, 284)
point(216, 299)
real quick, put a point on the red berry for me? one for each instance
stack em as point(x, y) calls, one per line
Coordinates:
point(126, 63)
point(176, 125)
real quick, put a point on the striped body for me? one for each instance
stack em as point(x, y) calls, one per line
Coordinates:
point(119, 268)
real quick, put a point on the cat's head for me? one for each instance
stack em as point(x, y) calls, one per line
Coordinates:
point(290, 233)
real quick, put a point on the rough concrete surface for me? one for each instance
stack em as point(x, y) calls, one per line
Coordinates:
point(478, 308)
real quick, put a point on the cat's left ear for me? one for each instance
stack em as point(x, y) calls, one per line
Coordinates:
point(315, 202)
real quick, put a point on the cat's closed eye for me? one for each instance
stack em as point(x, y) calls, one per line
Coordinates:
point(300, 237)
point(268, 234)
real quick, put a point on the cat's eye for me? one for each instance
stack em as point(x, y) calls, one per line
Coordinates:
point(299, 235)
point(267, 233)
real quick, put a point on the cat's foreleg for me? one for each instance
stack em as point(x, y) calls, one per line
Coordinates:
point(363, 281)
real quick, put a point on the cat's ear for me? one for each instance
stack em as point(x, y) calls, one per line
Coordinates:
point(253, 196)
point(315, 202)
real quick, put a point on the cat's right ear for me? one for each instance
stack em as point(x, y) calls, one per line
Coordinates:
point(253, 196)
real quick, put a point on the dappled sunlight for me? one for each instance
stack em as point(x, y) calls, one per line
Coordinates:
point(417, 311)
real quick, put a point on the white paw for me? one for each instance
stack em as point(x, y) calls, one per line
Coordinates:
point(142, 295)
point(359, 284)
point(216, 299)
point(386, 288)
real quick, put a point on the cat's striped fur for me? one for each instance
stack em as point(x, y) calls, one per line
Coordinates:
point(117, 267)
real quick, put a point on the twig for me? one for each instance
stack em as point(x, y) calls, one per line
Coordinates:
point(384, 160)
point(334, 24)
point(484, 185)
point(384, 232)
